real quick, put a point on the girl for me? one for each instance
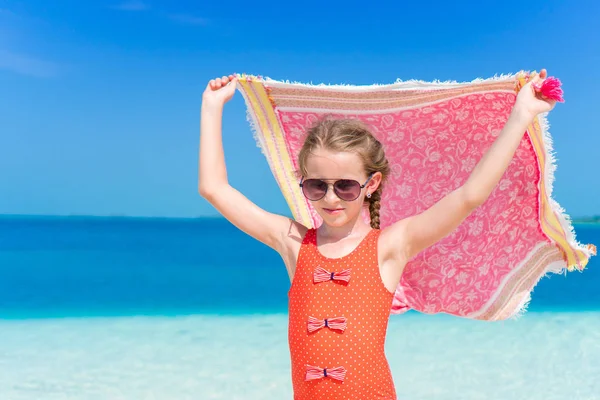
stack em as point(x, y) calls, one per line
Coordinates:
point(344, 273)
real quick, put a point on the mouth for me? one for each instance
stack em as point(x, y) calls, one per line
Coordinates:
point(333, 210)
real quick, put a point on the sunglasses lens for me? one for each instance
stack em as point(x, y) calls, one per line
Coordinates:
point(314, 189)
point(347, 189)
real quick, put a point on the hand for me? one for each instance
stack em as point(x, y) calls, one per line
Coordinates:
point(530, 101)
point(219, 91)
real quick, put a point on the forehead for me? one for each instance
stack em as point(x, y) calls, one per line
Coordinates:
point(326, 164)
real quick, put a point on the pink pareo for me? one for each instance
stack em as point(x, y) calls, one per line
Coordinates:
point(434, 134)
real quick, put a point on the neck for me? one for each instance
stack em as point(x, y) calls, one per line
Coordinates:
point(356, 227)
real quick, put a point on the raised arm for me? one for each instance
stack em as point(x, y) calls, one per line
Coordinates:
point(270, 229)
point(412, 235)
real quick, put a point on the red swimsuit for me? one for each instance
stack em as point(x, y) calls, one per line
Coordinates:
point(338, 315)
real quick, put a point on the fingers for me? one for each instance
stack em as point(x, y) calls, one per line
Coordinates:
point(218, 83)
point(227, 79)
point(537, 79)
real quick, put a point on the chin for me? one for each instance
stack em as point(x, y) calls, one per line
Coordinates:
point(335, 220)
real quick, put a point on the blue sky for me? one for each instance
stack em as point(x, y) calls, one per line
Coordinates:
point(99, 100)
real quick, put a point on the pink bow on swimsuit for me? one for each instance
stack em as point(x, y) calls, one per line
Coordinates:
point(337, 373)
point(337, 323)
point(322, 275)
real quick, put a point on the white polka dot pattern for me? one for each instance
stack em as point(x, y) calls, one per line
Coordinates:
point(364, 303)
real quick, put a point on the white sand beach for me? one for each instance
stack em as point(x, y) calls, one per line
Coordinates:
point(541, 356)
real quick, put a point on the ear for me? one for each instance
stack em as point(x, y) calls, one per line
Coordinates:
point(374, 183)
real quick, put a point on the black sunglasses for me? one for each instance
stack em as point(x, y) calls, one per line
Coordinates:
point(345, 189)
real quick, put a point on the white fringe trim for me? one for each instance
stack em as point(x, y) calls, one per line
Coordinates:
point(553, 268)
point(510, 275)
point(549, 169)
point(398, 85)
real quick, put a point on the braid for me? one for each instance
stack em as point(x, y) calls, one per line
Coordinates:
point(374, 206)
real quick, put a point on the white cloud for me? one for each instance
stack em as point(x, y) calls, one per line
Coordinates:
point(132, 5)
point(4, 11)
point(14, 53)
point(27, 65)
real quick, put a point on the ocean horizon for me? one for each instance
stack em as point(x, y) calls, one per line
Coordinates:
point(173, 308)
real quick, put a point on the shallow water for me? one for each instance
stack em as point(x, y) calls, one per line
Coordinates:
point(541, 356)
point(135, 309)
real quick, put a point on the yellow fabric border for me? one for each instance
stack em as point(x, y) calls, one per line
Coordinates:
point(276, 149)
point(549, 221)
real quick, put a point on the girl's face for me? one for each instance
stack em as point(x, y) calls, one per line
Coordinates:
point(331, 167)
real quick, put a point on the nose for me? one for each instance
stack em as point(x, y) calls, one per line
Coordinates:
point(330, 196)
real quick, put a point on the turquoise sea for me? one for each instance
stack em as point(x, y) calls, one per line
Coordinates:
point(134, 308)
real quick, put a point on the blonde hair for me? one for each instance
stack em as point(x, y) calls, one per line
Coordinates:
point(349, 135)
